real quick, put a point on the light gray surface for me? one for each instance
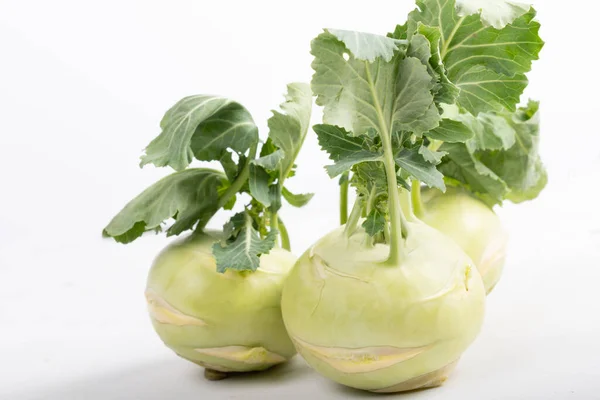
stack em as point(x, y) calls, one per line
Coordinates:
point(82, 88)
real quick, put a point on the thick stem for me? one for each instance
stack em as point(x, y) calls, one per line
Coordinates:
point(235, 187)
point(386, 233)
point(371, 200)
point(274, 221)
point(240, 180)
point(283, 234)
point(405, 200)
point(417, 202)
point(396, 241)
point(396, 244)
point(344, 198)
point(354, 217)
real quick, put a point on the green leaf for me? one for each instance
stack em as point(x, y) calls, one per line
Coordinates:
point(271, 162)
point(297, 200)
point(204, 126)
point(344, 149)
point(490, 131)
point(338, 142)
point(425, 45)
point(375, 223)
point(483, 90)
point(288, 130)
point(446, 92)
point(370, 177)
point(433, 157)
point(243, 252)
point(188, 196)
point(414, 163)
point(520, 166)
point(486, 63)
point(463, 168)
point(348, 162)
point(367, 46)
point(360, 95)
point(259, 181)
point(229, 166)
point(234, 225)
point(497, 13)
point(451, 131)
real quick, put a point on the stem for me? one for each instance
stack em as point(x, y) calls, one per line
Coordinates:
point(446, 43)
point(274, 221)
point(240, 180)
point(354, 217)
point(405, 200)
point(371, 200)
point(344, 199)
point(235, 186)
point(386, 232)
point(396, 242)
point(283, 234)
point(417, 202)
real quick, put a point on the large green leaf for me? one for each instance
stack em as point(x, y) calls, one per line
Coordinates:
point(461, 167)
point(502, 161)
point(490, 131)
point(360, 95)
point(483, 90)
point(288, 130)
point(201, 126)
point(450, 131)
point(520, 166)
point(187, 196)
point(485, 62)
point(367, 46)
point(242, 252)
point(497, 13)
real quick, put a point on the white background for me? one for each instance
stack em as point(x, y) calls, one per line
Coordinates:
point(83, 86)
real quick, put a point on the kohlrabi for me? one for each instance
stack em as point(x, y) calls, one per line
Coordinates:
point(484, 58)
point(214, 297)
point(471, 224)
point(387, 303)
point(500, 162)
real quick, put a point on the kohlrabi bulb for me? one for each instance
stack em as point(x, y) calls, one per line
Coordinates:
point(381, 327)
point(471, 224)
point(227, 322)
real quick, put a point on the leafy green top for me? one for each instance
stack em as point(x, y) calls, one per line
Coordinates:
point(502, 159)
point(211, 128)
point(386, 102)
point(484, 54)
